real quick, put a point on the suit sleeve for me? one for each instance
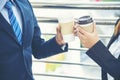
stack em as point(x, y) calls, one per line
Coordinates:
point(42, 48)
point(101, 55)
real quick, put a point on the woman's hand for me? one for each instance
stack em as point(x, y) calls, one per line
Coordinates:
point(88, 39)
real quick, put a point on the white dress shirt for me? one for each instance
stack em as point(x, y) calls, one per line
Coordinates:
point(2, 3)
point(115, 51)
point(16, 12)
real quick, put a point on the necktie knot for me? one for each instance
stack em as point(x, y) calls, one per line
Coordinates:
point(8, 5)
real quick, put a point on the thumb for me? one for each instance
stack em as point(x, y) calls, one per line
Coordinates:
point(58, 29)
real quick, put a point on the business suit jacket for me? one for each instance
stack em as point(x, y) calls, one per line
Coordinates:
point(102, 56)
point(16, 59)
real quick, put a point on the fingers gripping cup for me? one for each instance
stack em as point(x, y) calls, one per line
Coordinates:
point(86, 23)
point(66, 23)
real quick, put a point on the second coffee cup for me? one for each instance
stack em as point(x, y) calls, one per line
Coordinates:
point(86, 23)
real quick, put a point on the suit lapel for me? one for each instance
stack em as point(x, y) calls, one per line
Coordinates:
point(26, 14)
point(7, 27)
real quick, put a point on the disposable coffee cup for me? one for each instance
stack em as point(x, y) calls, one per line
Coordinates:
point(66, 23)
point(86, 23)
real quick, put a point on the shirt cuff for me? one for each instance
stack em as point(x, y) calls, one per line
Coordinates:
point(63, 47)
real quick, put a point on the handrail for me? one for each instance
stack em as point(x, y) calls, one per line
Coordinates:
point(101, 36)
point(65, 62)
point(76, 3)
point(100, 21)
point(80, 5)
point(64, 76)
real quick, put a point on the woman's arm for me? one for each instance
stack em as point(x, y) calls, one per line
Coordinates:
point(102, 56)
point(99, 52)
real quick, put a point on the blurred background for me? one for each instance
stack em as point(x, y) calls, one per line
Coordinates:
point(74, 64)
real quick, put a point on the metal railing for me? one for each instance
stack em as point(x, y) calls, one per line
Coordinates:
point(81, 5)
point(77, 6)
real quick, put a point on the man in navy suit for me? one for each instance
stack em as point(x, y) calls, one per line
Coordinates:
point(16, 58)
point(106, 57)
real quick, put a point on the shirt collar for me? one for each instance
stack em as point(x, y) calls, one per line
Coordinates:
point(2, 3)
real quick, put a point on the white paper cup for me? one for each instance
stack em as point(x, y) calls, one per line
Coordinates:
point(66, 23)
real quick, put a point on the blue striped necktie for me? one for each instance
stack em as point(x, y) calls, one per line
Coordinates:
point(13, 21)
